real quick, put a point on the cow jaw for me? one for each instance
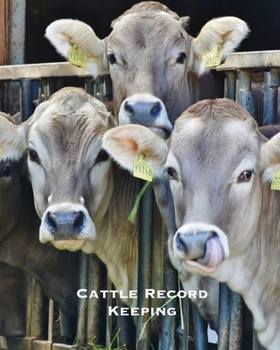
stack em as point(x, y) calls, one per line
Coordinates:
point(200, 247)
point(146, 110)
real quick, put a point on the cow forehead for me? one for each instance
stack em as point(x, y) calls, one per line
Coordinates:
point(214, 143)
point(146, 30)
point(72, 135)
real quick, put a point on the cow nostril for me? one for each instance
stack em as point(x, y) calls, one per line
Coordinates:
point(129, 108)
point(78, 220)
point(181, 245)
point(156, 109)
point(51, 220)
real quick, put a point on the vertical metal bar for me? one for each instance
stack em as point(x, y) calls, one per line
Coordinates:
point(50, 325)
point(230, 85)
point(107, 91)
point(167, 340)
point(244, 94)
point(236, 321)
point(44, 90)
point(2, 96)
point(89, 86)
point(37, 310)
point(94, 318)
point(224, 317)
point(200, 330)
point(271, 80)
point(83, 303)
point(26, 103)
point(144, 266)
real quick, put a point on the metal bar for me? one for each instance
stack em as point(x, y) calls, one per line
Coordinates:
point(251, 60)
point(271, 79)
point(200, 330)
point(2, 97)
point(144, 266)
point(81, 337)
point(37, 310)
point(50, 326)
point(95, 321)
point(26, 101)
point(41, 70)
point(224, 317)
point(170, 280)
point(236, 321)
point(244, 94)
point(230, 85)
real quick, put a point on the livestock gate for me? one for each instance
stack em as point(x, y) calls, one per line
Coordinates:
point(38, 82)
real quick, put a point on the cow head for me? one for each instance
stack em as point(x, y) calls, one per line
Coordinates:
point(69, 172)
point(216, 163)
point(151, 58)
point(12, 147)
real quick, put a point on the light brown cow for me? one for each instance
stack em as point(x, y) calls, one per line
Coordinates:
point(157, 68)
point(220, 170)
point(83, 199)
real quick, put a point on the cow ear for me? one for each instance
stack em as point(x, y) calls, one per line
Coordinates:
point(77, 42)
point(126, 143)
point(218, 38)
point(271, 157)
point(13, 141)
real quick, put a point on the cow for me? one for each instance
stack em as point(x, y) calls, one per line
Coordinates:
point(55, 271)
point(67, 167)
point(224, 176)
point(157, 68)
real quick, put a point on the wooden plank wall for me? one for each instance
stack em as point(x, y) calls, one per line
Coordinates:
point(4, 32)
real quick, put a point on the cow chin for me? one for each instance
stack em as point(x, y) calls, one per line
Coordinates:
point(71, 245)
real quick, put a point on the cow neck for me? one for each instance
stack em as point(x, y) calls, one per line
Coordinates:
point(116, 243)
point(257, 274)
point(22, 249)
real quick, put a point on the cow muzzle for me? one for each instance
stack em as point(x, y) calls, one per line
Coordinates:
point(146, 110)
point(67, 226)
point(200, 249)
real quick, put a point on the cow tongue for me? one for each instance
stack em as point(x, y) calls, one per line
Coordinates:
point(214, 253)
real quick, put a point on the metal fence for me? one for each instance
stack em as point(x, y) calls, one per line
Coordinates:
point(244, 72)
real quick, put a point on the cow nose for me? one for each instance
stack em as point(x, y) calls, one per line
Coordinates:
point(143, 112)
point(193, 244)
point(65, 225)
point(146, 110)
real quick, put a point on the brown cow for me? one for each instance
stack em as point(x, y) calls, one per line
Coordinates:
point(56, 272)
point(157, 68)
point(220, 170)
point(67, 167)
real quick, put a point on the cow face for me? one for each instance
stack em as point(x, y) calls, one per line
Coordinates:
point(215, 166)
point(151, 58)
point(67, 167)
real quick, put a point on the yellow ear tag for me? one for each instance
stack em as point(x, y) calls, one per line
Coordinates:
point(76, 57)
point(213, 59)
point(275, 184)
point(1, 154)
point(142, 169)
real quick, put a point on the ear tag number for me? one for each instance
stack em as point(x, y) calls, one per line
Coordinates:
point(142, 169)
point(76, 57)
point(213, 59)
point(275, 184)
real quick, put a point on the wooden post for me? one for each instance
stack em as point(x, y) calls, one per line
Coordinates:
point(4, 31)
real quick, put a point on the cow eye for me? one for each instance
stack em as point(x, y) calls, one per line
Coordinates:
point(181, 58)
point(172, 173)
point(6, 171)
point(112, 58)
point(33, 155)
point(245, 176)
point(102, 156)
